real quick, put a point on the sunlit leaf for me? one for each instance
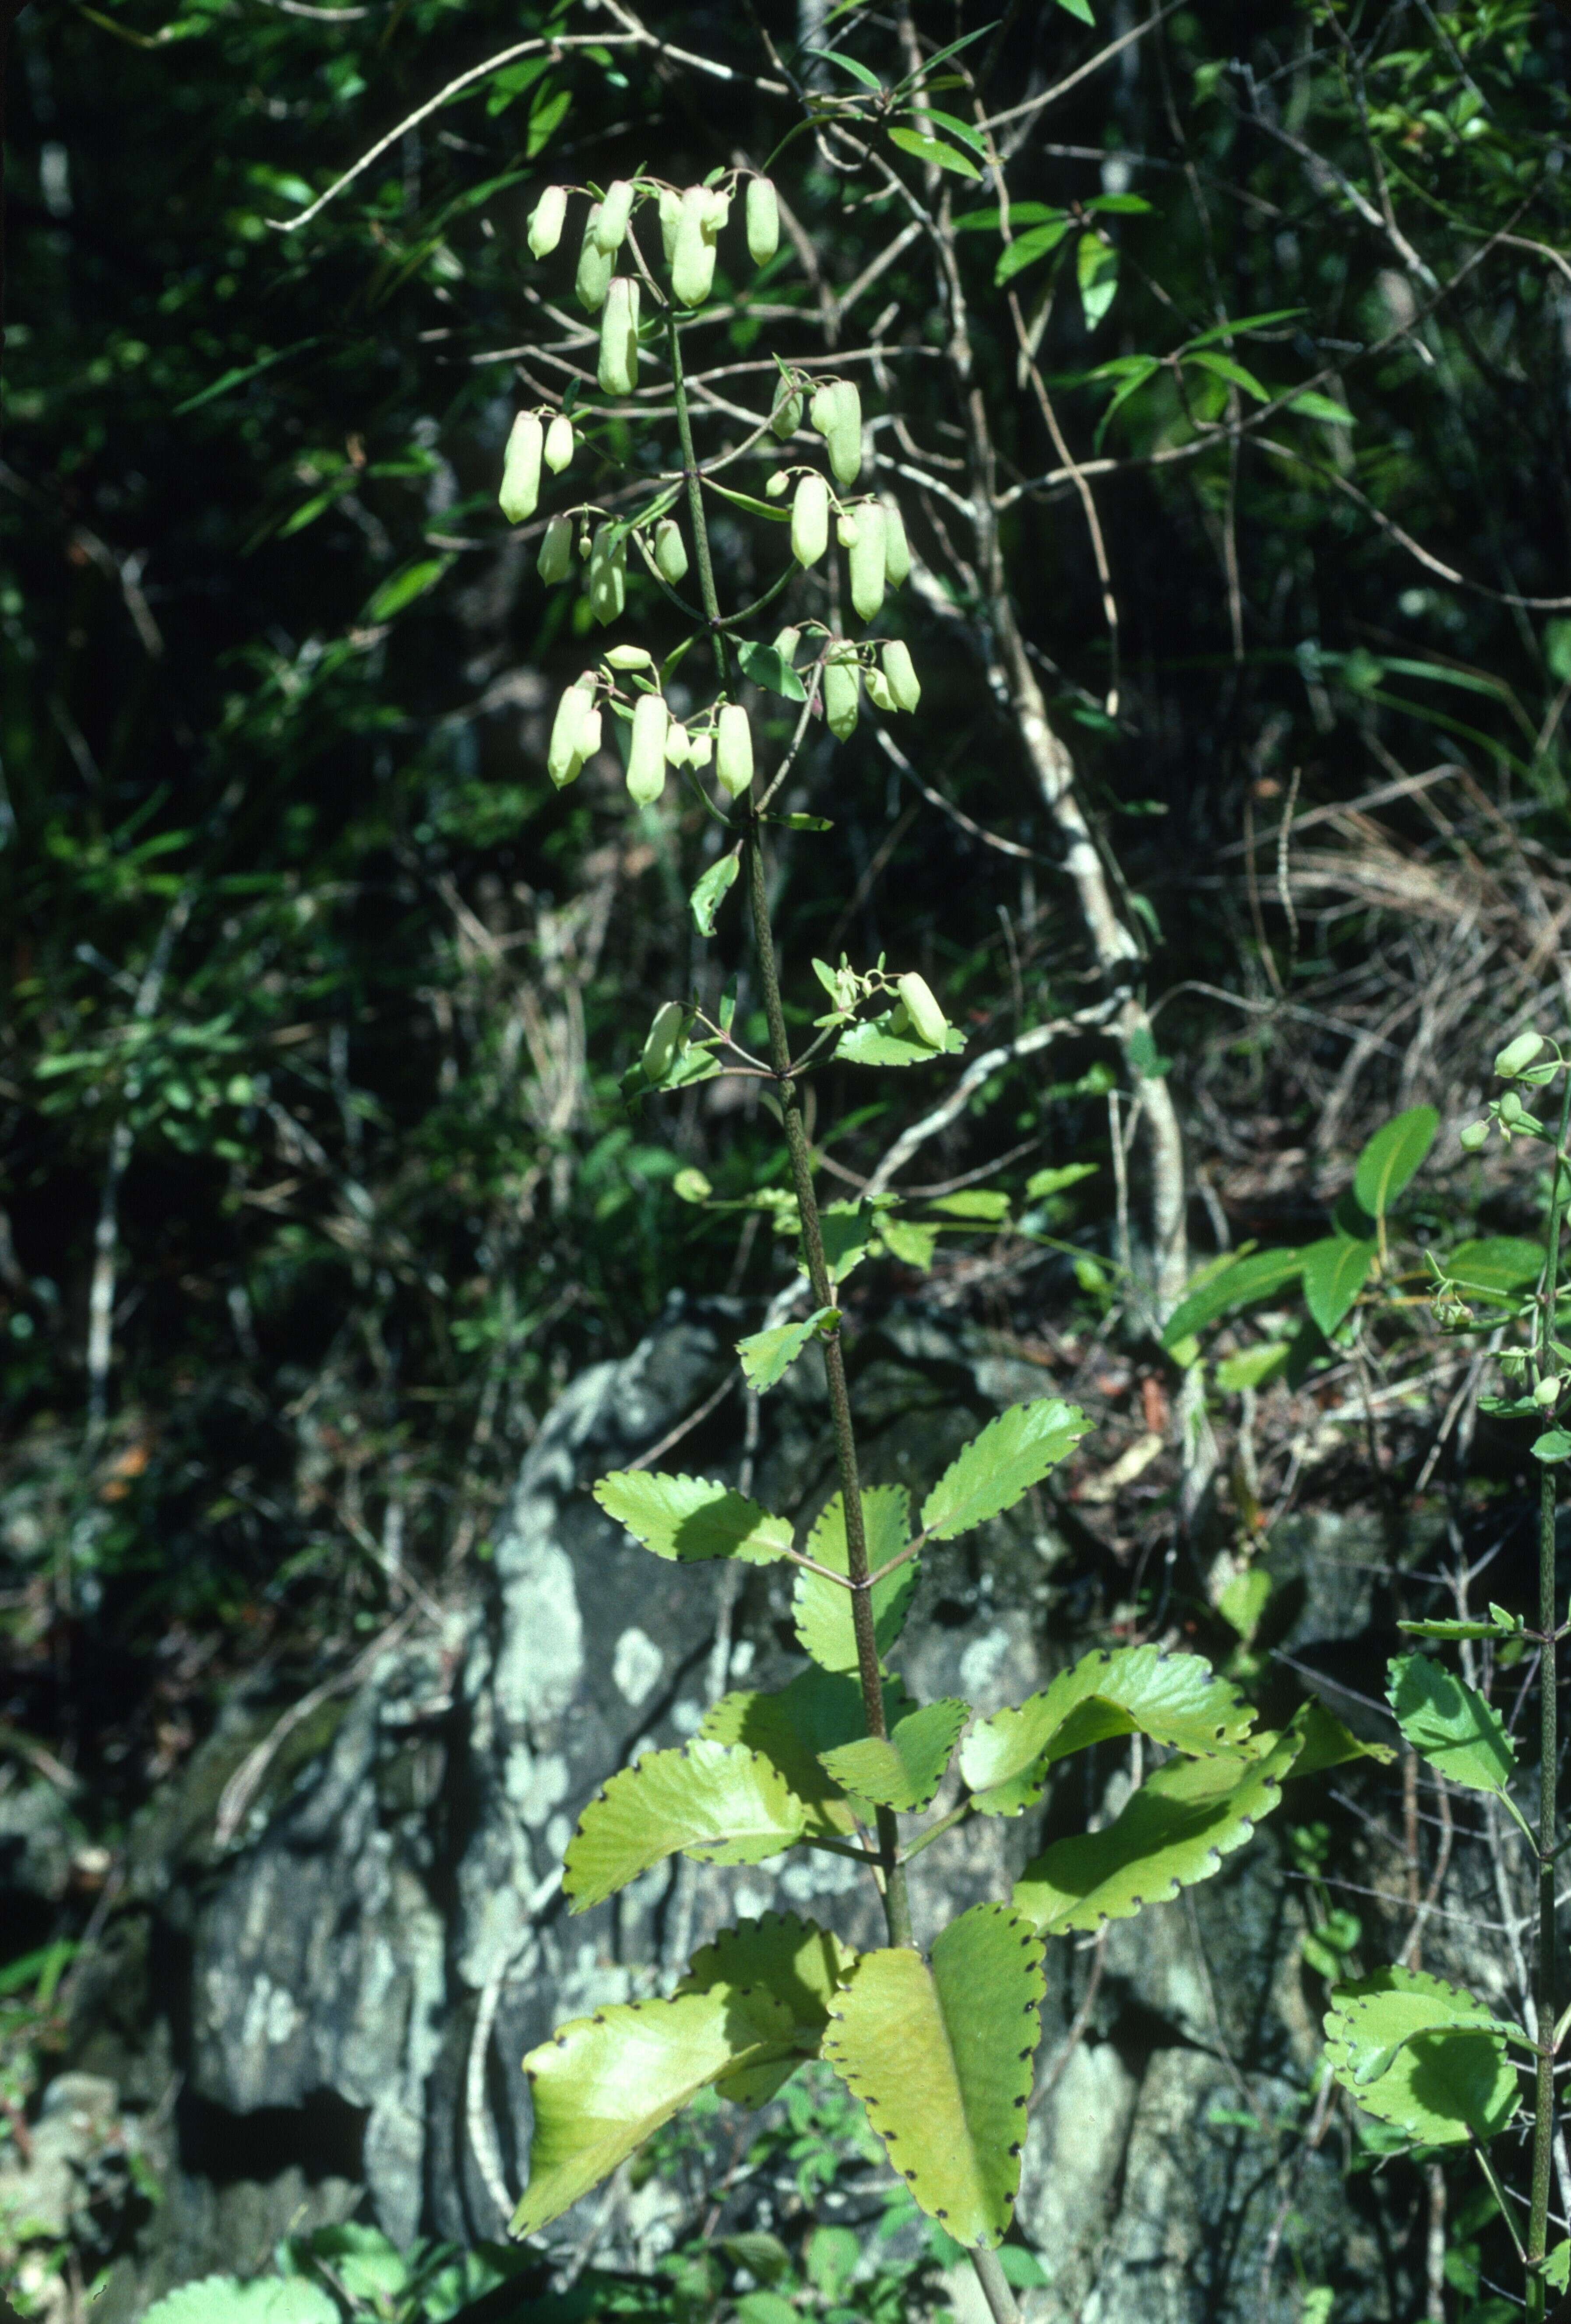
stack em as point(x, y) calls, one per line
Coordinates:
point(1392, 1156)
point(998, 1468)
point(904, 1769)
point(1421, 2055)
point(1450, 1724)
point(768, 1356)
point(823, 1608)
point(1334, 1272)
point(718, 1802)
point(691, 1518)
point(940, 2053)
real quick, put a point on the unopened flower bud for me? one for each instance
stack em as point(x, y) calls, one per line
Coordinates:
point(786, 415)
point(1474, 1136)
point(779, 485)
point(878, 692)
point(842, 687)
point(733, 751)
point(897, 552)
point(562, 756)
point(693, 258)
point(762, 221)
point(611, 224)
point(618, 369)
point(836, 414)
point(1518, 1055)
point(660, 1047)
point(546, 221)
point(589, 735)
point(1510, 1107)
point(670, 218)
point(700, 748)
point(670, 551)
point(810, 521)
point(928, 1020)
point(558, 443)
point(786, 643)
point(646, 757)
point(1547, 1393)
point(594, 276)
point(555, 561)
point(607, 574)
point(903, 682)
point(520, 468)
point(679, 748)
point(867, 562)
point(629, 656)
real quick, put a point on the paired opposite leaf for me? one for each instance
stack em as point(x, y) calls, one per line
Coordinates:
point(718, 1802)
point(768, 1356)
point(1174, 1831)
point(799, 1965)
point(1392, 1156)
point(823, 1608)
point(1421, 2055)
point(1450, 1724)
point(904, 1770)
point(1335, 1273)
point(792, 1726)
point(999, 1468)
point(602, 2085)
point(1175, 1699)
point(691, 1518)
point(941, 2054)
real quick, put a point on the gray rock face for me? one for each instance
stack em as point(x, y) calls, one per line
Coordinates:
point(386, 1933)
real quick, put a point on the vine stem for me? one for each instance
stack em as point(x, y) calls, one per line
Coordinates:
point(895, 1891)
point(1549, 1747)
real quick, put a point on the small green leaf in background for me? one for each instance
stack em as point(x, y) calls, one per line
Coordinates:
point(791, 1725)
point(767, 2307)
point(717, 1802)
point(799, 1965)
point(768, 1356)
point(1326, 1948)
point(1335, 1273)
point(1037, 242)
point(976, 1202)
point(909, 1241)
point(1173, 1831)
point(1044, 1183)
point(1558, 2268)
point(1242, 1600)
point(769, 670)
point(1081, 8)
point(1235, 373)
point(600, 2085)
point(1253, 1367)
point(221, 2299)
point(1096, 272)
point(1552, 1447)
point(823, 1608)
point(904, 1770)
point(940, 2053)
point(1311, 405)
point(1495, 1266)
point(934, 151)
point(832, 2255)
point(1421, 2055)
point(691, 1518)
point(848, 1230)
point(1392, 1158)
point(999, 1468)
point(710, 892)
point(401, 589)
point(1225, 1289)
point(1450, 1724)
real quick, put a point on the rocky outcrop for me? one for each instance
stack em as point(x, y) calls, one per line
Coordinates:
point(345, 1989)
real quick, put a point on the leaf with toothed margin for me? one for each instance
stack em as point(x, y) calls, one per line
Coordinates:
point(940, 2053)
point(798, 1964)
point(691, 1518)
point(601, 2085)
point(904, 1769)
point(715, 1800)
point(1175, 1699)
point(822, 1608)
point(999, 1468)
point(1423, 2055)
point(1172, 1833)
point(819, 1710)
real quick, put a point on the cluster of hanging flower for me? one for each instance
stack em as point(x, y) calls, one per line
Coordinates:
point(870, 528)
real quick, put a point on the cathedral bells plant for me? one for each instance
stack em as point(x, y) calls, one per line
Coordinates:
point(937, 2041)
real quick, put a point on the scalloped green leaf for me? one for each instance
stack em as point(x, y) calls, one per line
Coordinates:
point(799, 1964)
point(1324, 1742)
point(768, 1356)
point(1423, 2056)
point(822, 1608)
point(998, 1468)
point(791, 1726)
point(1172, 1833)
point(1334, 1272)
point(1173, 1698)
point(1449, 1724)
point(905, 1768)
point(940, 2053)
point(1392, 1156)
point(691, 1518)
point(602, 2085)
point(870, 1043)
point(718, 1802)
